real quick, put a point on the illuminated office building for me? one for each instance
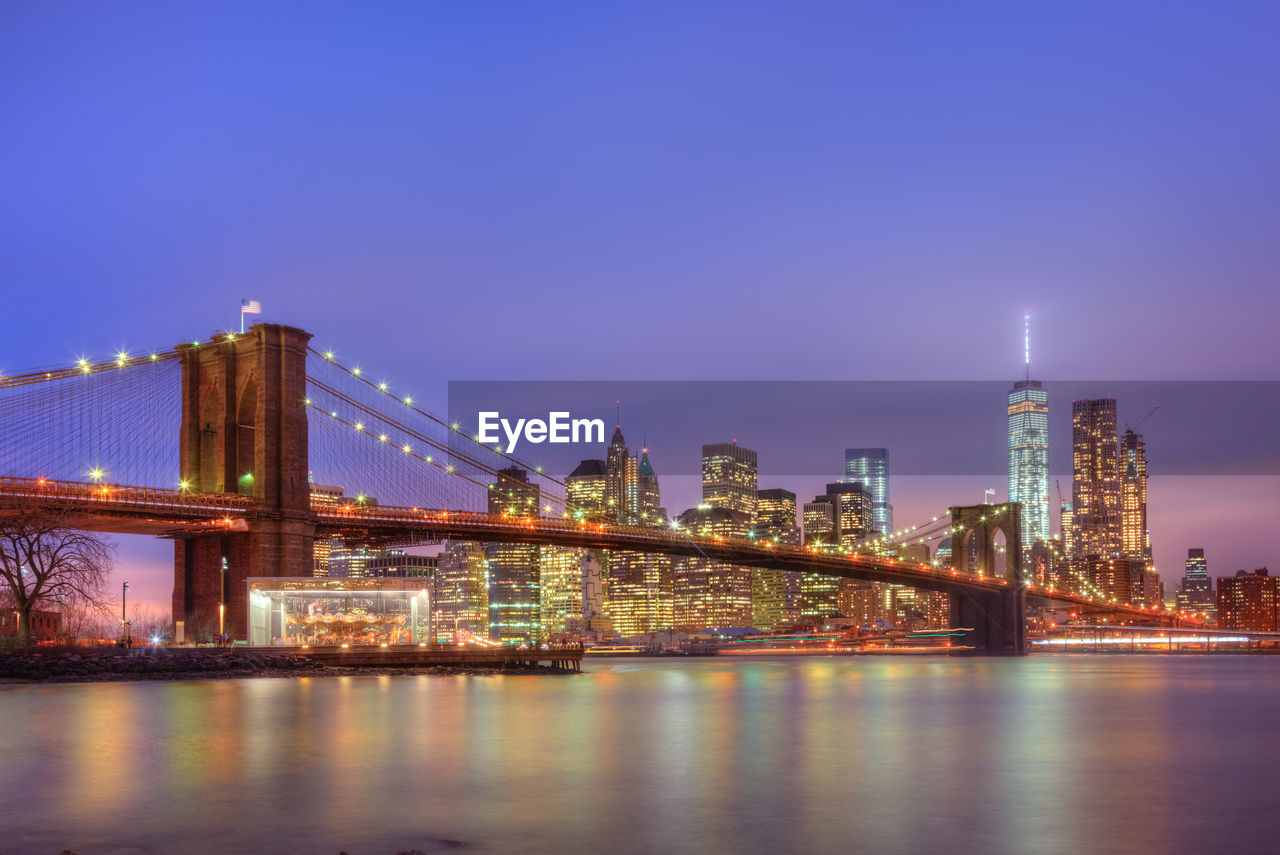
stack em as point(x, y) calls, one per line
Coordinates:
point(514, 585)
point(730, 478)
point(347, 561)
point(854, 508)
point(559, 586)
point(860, 599)
point(916, 608)
point(776, 521)
point(1134, 535)
point(462, 591)
point(1095, 491)
point(711, 594)
point(640, 588)
point(870, 468)
point(621, 480)
point(585, 489)
point(819, 592)
point(1067, 522)
point(398, 564)
point(820, 522)
point(1195, 592)
point(640, 592)
point(1249, 601)
point(649, 510)
point(1112, 577)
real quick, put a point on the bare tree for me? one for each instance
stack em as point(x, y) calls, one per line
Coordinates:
point(42, 557)
point(82, 621)
point(147, 623)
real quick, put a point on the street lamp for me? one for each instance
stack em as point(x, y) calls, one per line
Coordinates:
point(124, 623)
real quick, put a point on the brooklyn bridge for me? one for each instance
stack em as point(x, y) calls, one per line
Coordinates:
point(218, 444)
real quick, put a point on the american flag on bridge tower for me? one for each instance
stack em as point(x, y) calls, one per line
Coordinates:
point(250, 307)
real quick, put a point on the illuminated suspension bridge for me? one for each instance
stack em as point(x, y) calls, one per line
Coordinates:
point(224, 445)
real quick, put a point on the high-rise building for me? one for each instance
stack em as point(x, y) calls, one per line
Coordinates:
point(1195, 592)
point(514, 584)
point(640, 593)
point(462, 591)
point(1029, 457)
point(860, 599)
point(348, 560)
point(1095, 491)
point(776, 515)
point(730, 478)
point(854, 509)
point(559, 587)
point(711, 594)
point(870, 468)
point(776, 521)
point(1067, 522)
point(585, 489)
point(820, 522)
point(1249, 601)
point(621, 479)
point(916, 608)
point(818, 591)
point(398, 564)
point(649, 510)
point(1029, 450)
point(1134, 535)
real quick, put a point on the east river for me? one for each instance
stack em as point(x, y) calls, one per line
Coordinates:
point(1046, 754)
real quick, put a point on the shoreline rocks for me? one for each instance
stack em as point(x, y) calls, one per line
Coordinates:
point(89, 665)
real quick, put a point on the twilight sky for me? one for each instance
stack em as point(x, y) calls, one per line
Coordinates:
point(657, 192)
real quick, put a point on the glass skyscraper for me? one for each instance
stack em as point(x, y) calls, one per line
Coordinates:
point(870, 468)
point(1029, 458)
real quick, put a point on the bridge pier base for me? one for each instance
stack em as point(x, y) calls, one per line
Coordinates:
point(997, 623)
point(208, 584)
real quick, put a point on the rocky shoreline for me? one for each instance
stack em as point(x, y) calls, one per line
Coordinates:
point(108, 665)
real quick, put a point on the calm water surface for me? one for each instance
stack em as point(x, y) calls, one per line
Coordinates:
point(1045, 754)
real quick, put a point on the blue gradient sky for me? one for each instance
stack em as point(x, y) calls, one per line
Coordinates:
point(612, 191)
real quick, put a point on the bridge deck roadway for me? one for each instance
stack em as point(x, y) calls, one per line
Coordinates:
point(144, 510)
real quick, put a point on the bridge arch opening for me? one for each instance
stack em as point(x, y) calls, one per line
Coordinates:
point(246, 437)
point(999, 560)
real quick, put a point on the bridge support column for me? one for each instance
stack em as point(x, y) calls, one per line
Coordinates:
point(244, 430)
point(997, 622)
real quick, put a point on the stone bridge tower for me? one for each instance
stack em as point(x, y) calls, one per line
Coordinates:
point(244, 430)
point(997, 621)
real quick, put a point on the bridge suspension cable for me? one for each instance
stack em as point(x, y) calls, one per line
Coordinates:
point(357, 374)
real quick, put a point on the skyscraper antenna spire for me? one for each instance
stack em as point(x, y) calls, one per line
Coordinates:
point(619, 403)
point(1026, 342)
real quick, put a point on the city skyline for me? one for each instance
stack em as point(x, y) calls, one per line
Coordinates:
point(938, 344)
point(1064, 230)
point(924, 496)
